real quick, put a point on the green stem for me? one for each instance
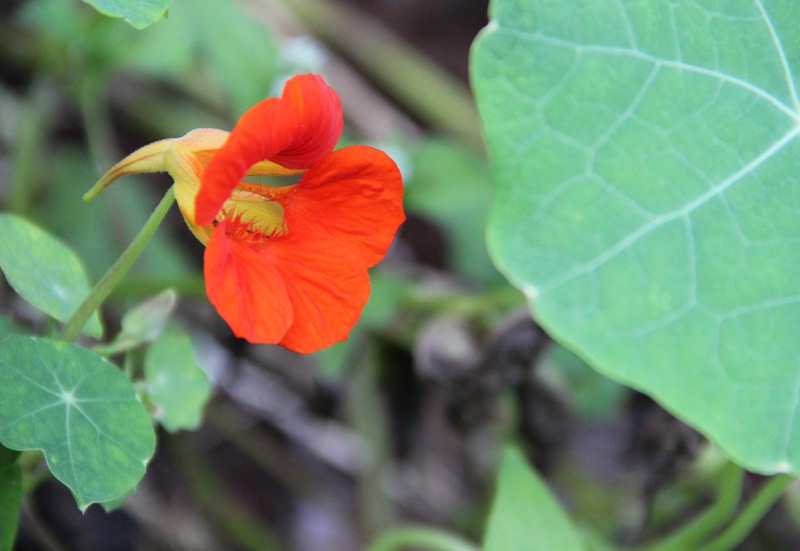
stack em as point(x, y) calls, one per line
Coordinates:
point(420, 537)
point(117, 272)
point(769, 493)
point(712, 519)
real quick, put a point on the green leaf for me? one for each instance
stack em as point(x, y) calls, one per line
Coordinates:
point(43, 270)
point(176, 385)
point(142, 324)
point(10, 497)
point(525, 516)
point(145, 322)
point(80, 410)
point(647, 161)
point(139, 13)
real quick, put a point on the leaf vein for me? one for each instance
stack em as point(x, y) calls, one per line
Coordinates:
point(659, 221)
point(791, 113)
point(781, 55)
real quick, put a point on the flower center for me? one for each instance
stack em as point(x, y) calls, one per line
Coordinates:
point(252, 217)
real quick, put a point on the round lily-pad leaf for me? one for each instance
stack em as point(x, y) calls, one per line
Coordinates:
point(647, 162)
point(80, 410)
point(43, 270)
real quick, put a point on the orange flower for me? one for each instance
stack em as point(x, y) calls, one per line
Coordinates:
point(284, 264)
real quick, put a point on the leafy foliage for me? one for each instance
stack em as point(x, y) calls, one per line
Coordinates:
point(43, 271)
point(176, 386)
point(646, 160)
point(142, 324)
point(80, 410)
point(515, 523)
point(644, 153)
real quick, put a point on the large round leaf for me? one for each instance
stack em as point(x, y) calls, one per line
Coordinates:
point(647, 159)
point(80, 410)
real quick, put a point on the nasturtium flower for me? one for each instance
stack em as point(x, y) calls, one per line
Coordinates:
point(290, 225)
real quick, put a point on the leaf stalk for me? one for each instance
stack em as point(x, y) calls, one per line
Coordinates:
point(117, 271)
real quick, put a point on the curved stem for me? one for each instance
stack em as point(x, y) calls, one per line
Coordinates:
point(712, 519)
point(769, 493)
point(420, 536)
point(117, 271)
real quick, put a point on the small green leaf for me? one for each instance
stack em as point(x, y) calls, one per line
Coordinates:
point(525, 516)
point(10, 497)
point(139, 13)
point(176, 385)
point(43, 271)
point(142, 324)
point(80, 410)
point(145, 322)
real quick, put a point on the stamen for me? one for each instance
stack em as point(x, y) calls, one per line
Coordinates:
point(246, 230)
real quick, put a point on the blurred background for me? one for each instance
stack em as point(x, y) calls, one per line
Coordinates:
point(404, 422)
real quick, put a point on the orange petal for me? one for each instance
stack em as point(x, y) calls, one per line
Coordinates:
point(327, 284)
point(354, 194)
point(246, 288)
point(294, 131)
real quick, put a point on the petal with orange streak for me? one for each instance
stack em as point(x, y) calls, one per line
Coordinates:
point(354, 194)
point(294, 131)
point(328, 285)
point(245, 288)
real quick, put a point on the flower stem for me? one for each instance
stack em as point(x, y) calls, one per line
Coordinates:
point(117, 271)
point(420, 537)
point(723, 508)
point(770, 492)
